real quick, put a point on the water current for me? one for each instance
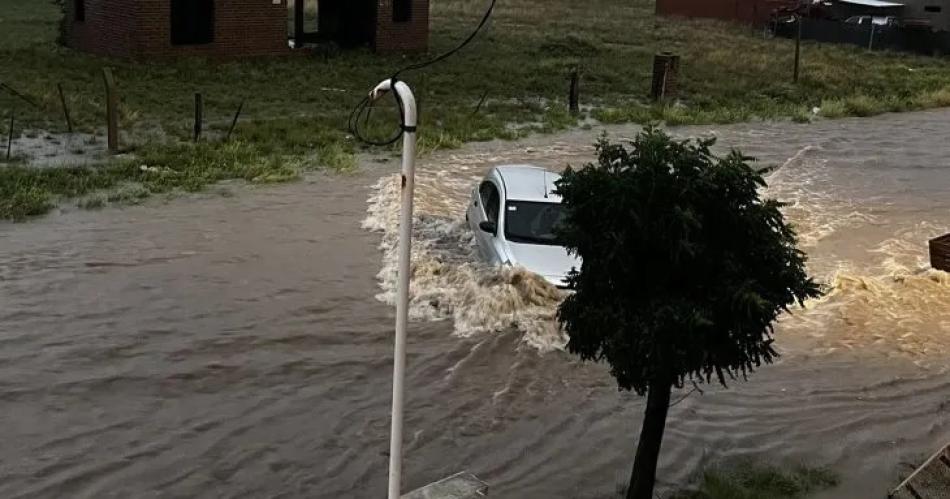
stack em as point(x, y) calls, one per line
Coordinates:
point(240, 346)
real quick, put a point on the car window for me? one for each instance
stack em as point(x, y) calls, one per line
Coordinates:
point(493, 205)
point(490, 200)
point(484, 191)
point(532, 222)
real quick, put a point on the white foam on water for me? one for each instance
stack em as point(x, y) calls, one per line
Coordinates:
point(888, 300)
point(816, 210)
point(448, 281)
point(895, 303)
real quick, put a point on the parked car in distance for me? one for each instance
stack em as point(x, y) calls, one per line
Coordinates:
point(878, 21)
point(513, 212)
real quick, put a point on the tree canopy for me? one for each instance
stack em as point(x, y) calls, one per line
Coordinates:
point(685, 267)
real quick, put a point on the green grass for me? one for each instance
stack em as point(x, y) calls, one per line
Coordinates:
point(158, 168)
point(296, 107)
point(750, 481)
point(747, 479)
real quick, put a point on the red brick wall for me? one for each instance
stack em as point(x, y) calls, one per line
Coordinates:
point(755, 12)
point(412, 36)
point(107, 29)
point(143, 29)
point(241, 28)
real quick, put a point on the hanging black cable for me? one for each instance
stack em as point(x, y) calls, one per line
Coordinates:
point(425, 64)
point(363, 110)
point(12, 91)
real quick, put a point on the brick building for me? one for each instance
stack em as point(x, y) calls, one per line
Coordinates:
point(238, 28)
point(404, 28)
point(385, 25)
point(754, 12)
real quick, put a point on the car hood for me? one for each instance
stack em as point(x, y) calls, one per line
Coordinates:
point(551, 262)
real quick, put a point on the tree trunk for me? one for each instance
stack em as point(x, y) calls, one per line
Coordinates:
point(643, 476)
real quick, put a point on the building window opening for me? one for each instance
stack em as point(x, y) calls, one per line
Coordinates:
point(304, 21)
point(311, 16)
point(933, 8)
point(79, 10)
point(192, 22)
point(402, 11)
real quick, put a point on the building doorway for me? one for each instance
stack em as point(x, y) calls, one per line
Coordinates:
point(348, 23)
point(303, 21)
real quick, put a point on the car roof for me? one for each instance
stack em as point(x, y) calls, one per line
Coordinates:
point(528, 183)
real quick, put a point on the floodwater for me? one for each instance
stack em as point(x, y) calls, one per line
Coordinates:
point(241, 346)
point(42, 149)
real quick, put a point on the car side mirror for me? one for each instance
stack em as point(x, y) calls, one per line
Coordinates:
point(488, 226)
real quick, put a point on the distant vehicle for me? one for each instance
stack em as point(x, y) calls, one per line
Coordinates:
point(878, 21)
point(513, 212)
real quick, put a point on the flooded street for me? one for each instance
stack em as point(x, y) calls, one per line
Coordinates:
point(241, 346)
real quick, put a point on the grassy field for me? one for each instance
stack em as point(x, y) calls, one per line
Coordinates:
point(296, 107)
point(749, 480)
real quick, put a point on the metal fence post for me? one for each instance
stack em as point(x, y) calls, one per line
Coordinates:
point(199, 112)
point(237, 115)
point(10, 135)
point(62, 99)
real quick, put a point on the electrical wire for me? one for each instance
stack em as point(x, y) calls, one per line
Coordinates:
point(422, 65)
point(364, 109)
point(12, 91)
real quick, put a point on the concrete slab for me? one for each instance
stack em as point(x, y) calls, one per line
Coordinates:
point(462, 485)
point(930, 481)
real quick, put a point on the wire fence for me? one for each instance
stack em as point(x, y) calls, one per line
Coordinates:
point(75, 119)
point(870, 36)
point(31, 124)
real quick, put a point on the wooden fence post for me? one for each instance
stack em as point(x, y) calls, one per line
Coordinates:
point(62, 99)
point(112, 109)
point(798, 45)
point(574, 96)
point(199, 111)
point(665, 76)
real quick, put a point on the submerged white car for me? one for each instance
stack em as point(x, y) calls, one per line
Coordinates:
point(513, 213)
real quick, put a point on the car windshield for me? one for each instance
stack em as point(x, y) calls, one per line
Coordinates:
point(532, 222)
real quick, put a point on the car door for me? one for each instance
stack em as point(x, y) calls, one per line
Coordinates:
point(475, 215)
point(489, 200)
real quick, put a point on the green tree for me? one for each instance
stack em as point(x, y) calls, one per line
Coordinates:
point(685, 269)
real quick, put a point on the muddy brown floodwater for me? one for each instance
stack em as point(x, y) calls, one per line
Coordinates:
point(241, 346)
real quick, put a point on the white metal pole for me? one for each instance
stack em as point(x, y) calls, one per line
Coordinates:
point(404, 94)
